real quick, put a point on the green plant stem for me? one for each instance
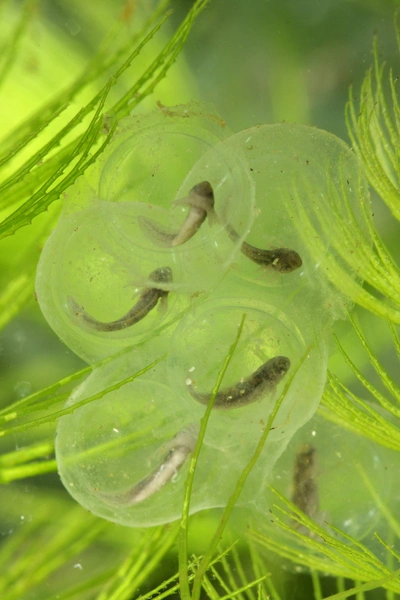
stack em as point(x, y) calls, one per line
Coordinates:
point(205, 561)
point(10, 53)
point(71, 409)
point(370, 585)
point(184, 523)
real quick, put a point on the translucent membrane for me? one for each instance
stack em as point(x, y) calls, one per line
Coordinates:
point(328, 472)
point(311, 197)
point(100, 255)
point(117, 442)
point(280, 191)
point(200, 345)
point(107, 447)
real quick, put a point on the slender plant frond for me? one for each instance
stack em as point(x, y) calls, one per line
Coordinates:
point(69, 168)
point(10, 49)
point(357, 255)
point(327, 550)
point(227, 511)
point(70, 409)
point(36, 560)
point(380, 423)
point(21, 463)
point(184, 523)
point(374, 128)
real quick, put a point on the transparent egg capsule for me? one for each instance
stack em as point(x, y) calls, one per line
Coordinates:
point(111, 453)
point(269, 347)
point(140, 234)
point(166, 180)
point(96, 297)
point(328, 473)
point(311, 212)
point(162, 249)
point(125, 456)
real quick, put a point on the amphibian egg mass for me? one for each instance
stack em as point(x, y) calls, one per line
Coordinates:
point(152, 258)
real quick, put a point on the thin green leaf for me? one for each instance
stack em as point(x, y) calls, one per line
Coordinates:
point(184, 523)
point(69, 410)
point(370, 585)
point(239, 485)
point(10, 52)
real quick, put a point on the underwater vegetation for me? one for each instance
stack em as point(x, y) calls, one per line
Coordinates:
point(225, 419)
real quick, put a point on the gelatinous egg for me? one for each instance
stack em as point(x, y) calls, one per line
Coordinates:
point(201, 343)
point(311, 198)
point(125, 456)
point(328, 472)
point(177, 231)
point(100, 258)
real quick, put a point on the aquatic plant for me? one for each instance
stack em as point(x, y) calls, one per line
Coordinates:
point(71, 136)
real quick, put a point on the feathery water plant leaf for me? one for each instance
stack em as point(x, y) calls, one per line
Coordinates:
point(388, 382)
point(374, 130)
point(70, 409)
point(9, 51)
point(360, 249)
point(29, 191)
point(324, 551)
point(139, 564)
point(342, 406)
point(100, 64)
point(214, 595)
point(184, 523)
point(47, 552)
point(359, 589)
point(66, 531)
point(63, 176)
point(227, 511)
